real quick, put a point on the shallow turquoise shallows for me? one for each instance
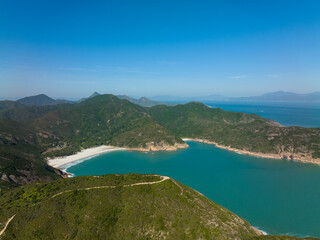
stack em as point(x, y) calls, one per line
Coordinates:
point(277, 196)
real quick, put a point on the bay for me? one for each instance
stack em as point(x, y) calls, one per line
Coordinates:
point(277, 196)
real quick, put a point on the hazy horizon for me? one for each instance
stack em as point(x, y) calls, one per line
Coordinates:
point(150, 48)
point(135, 96)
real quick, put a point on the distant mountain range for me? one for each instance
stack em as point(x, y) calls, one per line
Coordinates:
point(275, 96)
point(44, 100)
point(284, 96)
point(143, 101)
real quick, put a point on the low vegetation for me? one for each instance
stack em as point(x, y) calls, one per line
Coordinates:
point(77, 208)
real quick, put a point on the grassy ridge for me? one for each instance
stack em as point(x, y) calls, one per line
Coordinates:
point(166, 209)
point(163, 210)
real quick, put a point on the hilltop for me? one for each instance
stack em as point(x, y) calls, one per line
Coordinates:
point(38, 100)
point(130, 206)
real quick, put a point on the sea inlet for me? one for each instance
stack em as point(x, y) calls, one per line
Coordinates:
point(276, 196)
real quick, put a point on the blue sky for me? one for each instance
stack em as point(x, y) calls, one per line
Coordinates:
point(144, 48)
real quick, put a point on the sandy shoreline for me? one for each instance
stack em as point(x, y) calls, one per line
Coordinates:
point(58, 162)
point(66, 161)
point(262, 155)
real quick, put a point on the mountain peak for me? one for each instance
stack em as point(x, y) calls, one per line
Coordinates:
point(37, 100)
point(94, 94)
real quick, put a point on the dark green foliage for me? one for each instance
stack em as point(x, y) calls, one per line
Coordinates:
point(20, 156)
point(104, 119)
point(28, 135)
point(23, 113)
point(38, 132)
point(238, 130)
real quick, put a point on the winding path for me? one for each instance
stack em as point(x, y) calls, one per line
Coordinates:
point(164, 178)
point(99, 187)
point(5, 226)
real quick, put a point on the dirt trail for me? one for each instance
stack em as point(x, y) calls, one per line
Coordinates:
point(99, 187)
point(163, 178)
point(5, 226)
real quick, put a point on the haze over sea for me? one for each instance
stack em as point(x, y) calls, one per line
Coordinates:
point(303, 114)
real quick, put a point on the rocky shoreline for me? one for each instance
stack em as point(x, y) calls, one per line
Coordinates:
point(288, 156)
point(160, 147)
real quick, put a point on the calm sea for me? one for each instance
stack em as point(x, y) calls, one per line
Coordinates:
point(303, 114)
point(277, 196)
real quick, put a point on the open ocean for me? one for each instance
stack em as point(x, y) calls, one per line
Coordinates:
point(276, 196)
point(303, 114)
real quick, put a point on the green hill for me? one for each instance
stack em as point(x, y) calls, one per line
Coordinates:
point(104, 119)
point(248, 132)
point(30, 134)
point(23, 113)
point(130, 206)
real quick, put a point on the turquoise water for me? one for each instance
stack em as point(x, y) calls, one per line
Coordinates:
point(277, 196)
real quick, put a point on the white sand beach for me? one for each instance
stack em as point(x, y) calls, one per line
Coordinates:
point(86, 153)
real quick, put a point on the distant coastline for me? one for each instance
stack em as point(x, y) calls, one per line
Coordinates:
point(255, 154)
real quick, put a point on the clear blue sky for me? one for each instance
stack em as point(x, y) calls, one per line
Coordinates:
point(146, 48)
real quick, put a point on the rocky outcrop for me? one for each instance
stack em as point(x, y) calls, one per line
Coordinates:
point(162, 146)
point(282, 154)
